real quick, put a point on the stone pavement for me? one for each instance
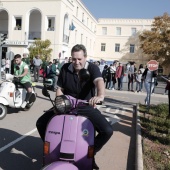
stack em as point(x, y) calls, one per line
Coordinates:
point(119, 152)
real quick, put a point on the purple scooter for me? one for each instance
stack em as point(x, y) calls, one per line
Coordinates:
point(69, 138)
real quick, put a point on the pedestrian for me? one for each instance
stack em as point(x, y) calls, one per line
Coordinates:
point(7, 65)
point(69, 84)
point(148, 77)
point(138, 80)
point(168, 88)
point(26, 59)
point(3, 64)
point(70, 59)
point(131, 76)
point(155, 83)
point(167, 85)
point(37, 66)
point(105, 73)
point(119, 75)
point(112, 75)
point(141, 68)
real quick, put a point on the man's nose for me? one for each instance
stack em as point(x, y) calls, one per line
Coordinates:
point(77, 61)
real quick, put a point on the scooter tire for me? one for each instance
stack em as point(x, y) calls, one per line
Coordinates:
point(3, 111)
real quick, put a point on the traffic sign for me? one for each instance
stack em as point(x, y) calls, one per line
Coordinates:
point(152, 65)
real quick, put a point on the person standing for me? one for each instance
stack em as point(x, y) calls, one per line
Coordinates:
point(120, 75)
point(131, 73)
point(37, 62)
point(138, 81)
point(112, 73)
point(168, 88)
point(3, 63)
point(105, 74)
point(141, 68)
point(25, 59)
point(7, 65)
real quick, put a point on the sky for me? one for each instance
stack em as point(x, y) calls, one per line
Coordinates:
point(143, 9)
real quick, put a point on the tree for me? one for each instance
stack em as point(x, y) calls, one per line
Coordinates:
point(40, 47)
point(156, 43)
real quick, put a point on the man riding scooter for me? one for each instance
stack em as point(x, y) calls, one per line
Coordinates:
point(69, 84)
point(21, 71)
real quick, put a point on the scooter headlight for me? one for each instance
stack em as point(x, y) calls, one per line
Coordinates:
point(62, 104)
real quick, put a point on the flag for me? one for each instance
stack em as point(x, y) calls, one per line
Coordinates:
point(72, 27)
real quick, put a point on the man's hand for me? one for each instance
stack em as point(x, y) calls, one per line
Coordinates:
point(96, 99)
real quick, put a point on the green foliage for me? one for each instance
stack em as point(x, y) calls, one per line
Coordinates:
point(156, 42)
point(156, 124)
point(42, 48)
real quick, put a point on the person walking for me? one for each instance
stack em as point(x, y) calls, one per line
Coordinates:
point(7, 65)
point(119, 76)
point(37, 62)
point(148, 77)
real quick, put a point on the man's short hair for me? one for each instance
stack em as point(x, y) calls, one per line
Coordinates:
point(79, 47)
point(17, 56)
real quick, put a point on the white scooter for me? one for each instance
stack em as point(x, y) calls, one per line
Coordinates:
point(10, 97)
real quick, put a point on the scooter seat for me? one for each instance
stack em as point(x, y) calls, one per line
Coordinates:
point(20, 86)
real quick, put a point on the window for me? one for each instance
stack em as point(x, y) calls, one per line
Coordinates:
point(118, 30)
point(117, 47)
point(104, 30)
point(83, 17)
point(103, 46)
point(87, 21)
point(81, 39)
point(18, 25)
point(66, 29)
point(77, 12)
point(51, 21)
point(133, 31)
point(132, 48)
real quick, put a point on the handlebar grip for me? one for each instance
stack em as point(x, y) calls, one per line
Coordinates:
point(100, 103)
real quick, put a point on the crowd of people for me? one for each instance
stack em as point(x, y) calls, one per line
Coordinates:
point(113, 74)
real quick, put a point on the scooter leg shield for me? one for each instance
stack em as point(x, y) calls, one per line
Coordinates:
point(69, 138)
point(53, 136)
point(85, 141)
point(78, 137)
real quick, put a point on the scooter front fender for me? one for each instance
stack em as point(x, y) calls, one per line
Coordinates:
point(60, 166)
point(4, 101)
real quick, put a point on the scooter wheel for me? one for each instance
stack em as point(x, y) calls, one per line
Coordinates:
point(3, 111)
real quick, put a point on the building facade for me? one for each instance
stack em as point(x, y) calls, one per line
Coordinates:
point(66, 23)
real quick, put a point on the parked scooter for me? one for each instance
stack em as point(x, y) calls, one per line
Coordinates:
point(69, 138)
point(10, 97)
